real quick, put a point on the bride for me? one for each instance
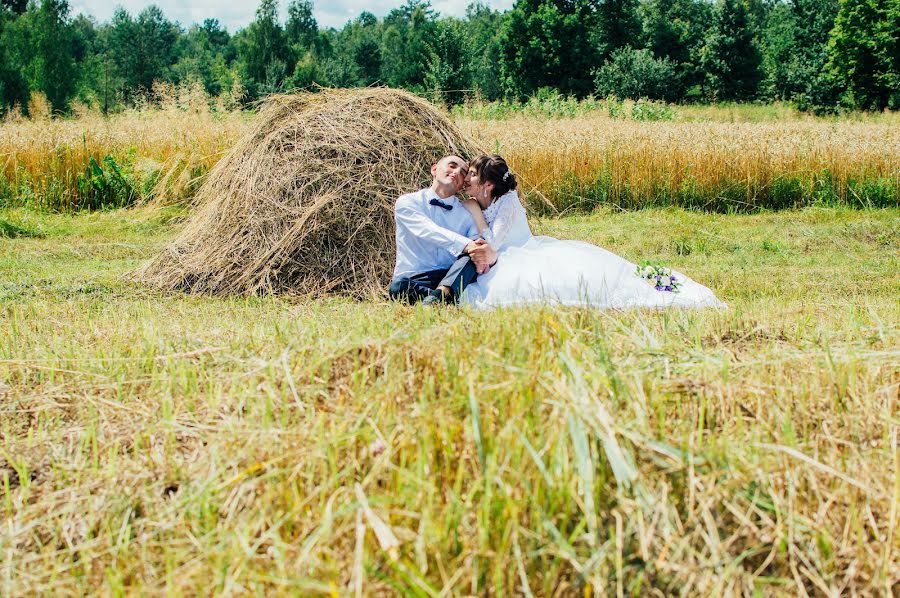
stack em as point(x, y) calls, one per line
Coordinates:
point(532, 269)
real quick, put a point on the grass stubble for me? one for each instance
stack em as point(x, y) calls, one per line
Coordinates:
point(174, 444)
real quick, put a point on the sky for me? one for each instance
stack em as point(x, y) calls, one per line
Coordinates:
point(236, 14)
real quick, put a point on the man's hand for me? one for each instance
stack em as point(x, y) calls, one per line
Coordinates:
point(482, 254)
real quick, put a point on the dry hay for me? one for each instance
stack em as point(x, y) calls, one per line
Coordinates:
point(304, 203)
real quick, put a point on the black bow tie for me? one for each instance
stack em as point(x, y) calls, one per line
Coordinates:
point(436, 202)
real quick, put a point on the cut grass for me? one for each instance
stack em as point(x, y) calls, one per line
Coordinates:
point(9, 230)
point(182, 444)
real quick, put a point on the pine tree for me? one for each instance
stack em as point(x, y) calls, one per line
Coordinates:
point(365, 49)
point(301, 28)
point(141, 49)
point(408, 33)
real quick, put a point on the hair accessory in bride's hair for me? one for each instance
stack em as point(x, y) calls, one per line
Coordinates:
point(506, 176)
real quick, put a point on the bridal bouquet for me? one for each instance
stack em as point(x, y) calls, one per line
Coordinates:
point(661, 278)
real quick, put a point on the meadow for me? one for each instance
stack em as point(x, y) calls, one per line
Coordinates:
point(175, 444)
point(158, 443)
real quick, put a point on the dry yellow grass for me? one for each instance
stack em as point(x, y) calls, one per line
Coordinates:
point(165, 147)
point(578, 163)
point(589, 160)
point(189, 445)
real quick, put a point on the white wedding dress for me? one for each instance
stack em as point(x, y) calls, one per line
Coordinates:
point(533, 269)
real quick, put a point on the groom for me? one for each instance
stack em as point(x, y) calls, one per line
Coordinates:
point(439, 251)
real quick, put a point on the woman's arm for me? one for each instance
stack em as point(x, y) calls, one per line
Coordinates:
point(477, 216)
point(502, 223)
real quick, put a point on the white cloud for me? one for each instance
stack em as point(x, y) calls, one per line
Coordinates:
point(236, 14)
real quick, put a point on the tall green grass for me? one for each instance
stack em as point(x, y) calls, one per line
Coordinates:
point(549, 103)
point(783, 193)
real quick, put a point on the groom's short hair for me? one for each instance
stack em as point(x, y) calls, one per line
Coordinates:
point(462, 161)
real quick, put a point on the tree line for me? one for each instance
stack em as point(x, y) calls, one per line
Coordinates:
point(819, 54)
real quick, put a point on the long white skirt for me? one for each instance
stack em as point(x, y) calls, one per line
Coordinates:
point(552, 271)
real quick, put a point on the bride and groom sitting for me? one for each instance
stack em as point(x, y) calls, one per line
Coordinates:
point(480, 251)
point(440, 250)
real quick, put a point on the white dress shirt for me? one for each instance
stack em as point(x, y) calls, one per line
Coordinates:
point(430, 237)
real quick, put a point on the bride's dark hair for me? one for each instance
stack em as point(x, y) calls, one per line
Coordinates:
point(493, 169)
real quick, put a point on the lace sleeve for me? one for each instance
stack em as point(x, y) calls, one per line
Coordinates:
point(503, 219)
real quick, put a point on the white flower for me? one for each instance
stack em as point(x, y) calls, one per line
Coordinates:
point(665, 281)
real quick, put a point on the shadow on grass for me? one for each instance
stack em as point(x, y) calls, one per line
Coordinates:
point(8, 230)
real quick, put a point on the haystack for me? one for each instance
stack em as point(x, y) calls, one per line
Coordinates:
point(304, 203)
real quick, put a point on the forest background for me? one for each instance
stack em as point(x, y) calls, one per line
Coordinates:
point(820, 55)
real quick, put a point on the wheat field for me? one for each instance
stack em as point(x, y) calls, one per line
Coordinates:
point(160, 152)
point(581, 163)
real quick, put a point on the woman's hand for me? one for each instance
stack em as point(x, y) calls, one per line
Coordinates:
point(482, 254)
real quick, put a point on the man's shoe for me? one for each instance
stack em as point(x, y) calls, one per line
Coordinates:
point(437, 297)
point(431, 300)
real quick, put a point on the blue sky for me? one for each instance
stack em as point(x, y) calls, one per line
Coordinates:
point(235, 14)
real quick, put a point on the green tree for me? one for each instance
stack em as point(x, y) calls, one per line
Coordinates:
point(448, 75)
point(203, 56)
point(548, 43)
point(482, 32)
point(405, 43)
point(141, 50)
point(264, 52)
point(676, 30)
point(795, 51)
point(87, 52)
point(301, 28)
point(730, 58)
point(366, 50)
point(352, 56)
point(631, 73)
point(13, 87)
point(50, 66)
point(335, 65)
point(15, 6)
point(302, 34)
point(618, 25)
point(864, 53)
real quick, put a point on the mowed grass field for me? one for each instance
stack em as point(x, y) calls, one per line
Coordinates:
point(154, 444)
